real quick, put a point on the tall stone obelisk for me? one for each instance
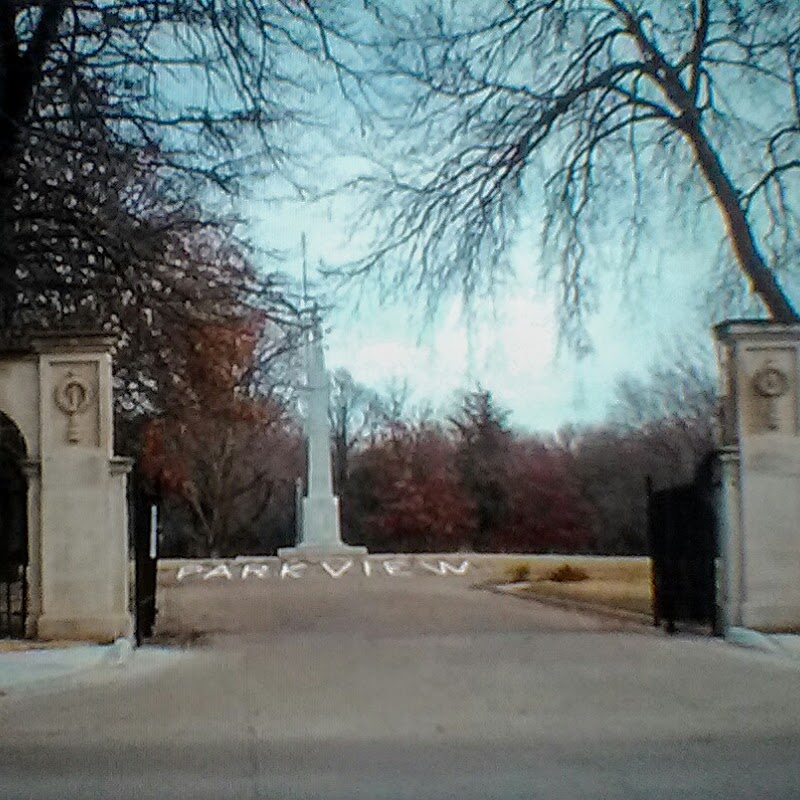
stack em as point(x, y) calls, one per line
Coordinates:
point(321, 535)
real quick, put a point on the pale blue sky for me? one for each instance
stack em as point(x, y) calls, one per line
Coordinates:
point(511, 346)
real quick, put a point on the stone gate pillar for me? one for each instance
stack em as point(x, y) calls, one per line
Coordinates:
point(59, 394)
point(760, 440)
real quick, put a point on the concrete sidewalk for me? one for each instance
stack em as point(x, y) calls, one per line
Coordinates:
point(27, 666)
point(779, 644)
point(32, 667)
point(782, 644)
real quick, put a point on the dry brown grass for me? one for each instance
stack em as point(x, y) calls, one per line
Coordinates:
point(624, 595)
point(517, 571)
point(596, 567)
point(566, 573)
point(622, 583)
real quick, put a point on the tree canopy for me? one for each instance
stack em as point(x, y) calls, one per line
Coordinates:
point(115, 118)
point(592, 111)
point(187, 78)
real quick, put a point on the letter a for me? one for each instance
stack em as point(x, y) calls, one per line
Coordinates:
point(221, 571)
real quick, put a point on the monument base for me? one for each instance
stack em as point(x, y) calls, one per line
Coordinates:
point(313, 553)
point(84, 629)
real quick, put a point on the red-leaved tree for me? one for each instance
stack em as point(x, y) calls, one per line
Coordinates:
point(224, 453)
point(404, 494)
point(546, 510)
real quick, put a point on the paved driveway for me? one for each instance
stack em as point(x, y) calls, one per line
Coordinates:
point(411, 687)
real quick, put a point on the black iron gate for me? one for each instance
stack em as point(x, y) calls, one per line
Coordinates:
point(682, 535)
point(13, 532)
point(144, 507)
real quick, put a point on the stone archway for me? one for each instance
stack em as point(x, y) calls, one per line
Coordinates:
point(13, 530)
point(59, 395)
point(759, 431)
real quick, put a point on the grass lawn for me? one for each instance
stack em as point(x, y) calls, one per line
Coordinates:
point(625, 595)
point(622, 583)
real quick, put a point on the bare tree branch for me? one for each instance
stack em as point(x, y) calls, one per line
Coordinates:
point(578, 93)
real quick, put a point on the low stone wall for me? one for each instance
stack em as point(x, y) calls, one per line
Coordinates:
point(478, 567)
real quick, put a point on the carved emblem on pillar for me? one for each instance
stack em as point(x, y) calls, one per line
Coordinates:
point(771, 383)
point(72, 396)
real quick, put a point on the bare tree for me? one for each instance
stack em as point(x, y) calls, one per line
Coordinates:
point(201, 76)
point(659, 426)
point(190, 96)
point(225, 451)
point(607, 103)
point(235, 471)
point(671, 413)
point(684, 387)
point(353, 413)
point(93, 242)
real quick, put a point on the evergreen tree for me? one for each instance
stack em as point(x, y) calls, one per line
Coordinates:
point(483, 443)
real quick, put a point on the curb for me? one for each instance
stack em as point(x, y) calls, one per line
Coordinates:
point(27, 673)
point(119, 654)
point(745, 637)
point(570, 604)
point(765, 642)
point(42, 669)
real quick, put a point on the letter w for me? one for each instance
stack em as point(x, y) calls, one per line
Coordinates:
point(443, 568)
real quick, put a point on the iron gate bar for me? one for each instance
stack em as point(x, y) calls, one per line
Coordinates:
point(13, 532)
point(142, 498)
point(681, 532)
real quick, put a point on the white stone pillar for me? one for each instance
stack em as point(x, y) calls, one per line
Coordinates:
point(83, 543)
point(760, 438)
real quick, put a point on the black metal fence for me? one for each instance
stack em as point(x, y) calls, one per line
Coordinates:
point(13, 532)
point(13, 595)
point(682, 536)
point(144, 505)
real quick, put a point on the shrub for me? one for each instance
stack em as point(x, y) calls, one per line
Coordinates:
point(566, 573)
point(518, 572)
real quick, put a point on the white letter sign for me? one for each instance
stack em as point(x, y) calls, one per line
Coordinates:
point(188, 569)
point(396, 567)
point(443, 568)
point(221, 571)
point(259, 570)
point(291, 570)
point(337, 573)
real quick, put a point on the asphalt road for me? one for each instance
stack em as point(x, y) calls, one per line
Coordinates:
point(415, 687)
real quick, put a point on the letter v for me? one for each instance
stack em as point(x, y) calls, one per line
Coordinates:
point(336, 573)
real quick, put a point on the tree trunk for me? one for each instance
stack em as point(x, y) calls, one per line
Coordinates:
point(761, 278)
point(22, 71)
